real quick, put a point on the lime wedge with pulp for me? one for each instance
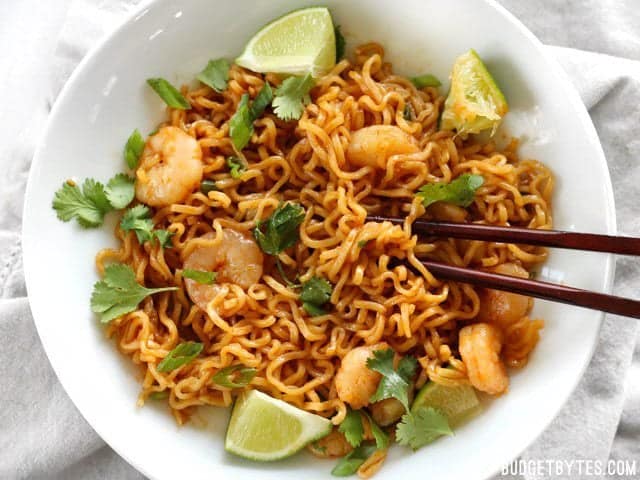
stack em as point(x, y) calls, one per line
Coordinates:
point(264, 428)
point(300, 42)
point(457, 403)
point(475, 102)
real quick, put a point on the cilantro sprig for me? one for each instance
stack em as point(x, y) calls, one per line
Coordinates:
point(120, 191)
point(315, 293)
point(280, 231)
point(421, 427)
point(292, 96)
point(215, 74)
point(417, 427)
point(138, 220)
point(119, 293)
point(460, 191)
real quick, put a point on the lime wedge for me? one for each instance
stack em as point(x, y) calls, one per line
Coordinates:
point(300, 42)
point(457, 403)
point(265, 429)
point(475, 102)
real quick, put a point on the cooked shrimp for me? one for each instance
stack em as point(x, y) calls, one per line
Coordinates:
point(504, 308)
point(480, 346)
point(331, 446)
point(170, 167)
point(236, 259)
point(372, 146)
point(355, 382)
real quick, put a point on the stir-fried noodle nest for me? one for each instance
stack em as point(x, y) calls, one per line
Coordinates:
point(375, 297)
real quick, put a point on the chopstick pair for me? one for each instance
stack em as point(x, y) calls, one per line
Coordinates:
point(529, 236)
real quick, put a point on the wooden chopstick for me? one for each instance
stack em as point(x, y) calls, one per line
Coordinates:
point(528, 236)
point(535, 288)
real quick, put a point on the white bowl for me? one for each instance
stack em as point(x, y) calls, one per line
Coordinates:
point(107, 98)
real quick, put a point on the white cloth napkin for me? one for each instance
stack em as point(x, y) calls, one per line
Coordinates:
point(42, 435)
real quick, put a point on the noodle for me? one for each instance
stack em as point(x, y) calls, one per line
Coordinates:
point(373, 298)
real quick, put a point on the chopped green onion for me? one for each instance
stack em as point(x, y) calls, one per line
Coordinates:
point(133, 149)
point(205, 278)
point(234, 376)
point(427, 80)
point(181, 355)
point(170, 94)
point(208, 186)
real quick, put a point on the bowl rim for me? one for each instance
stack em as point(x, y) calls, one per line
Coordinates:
point(141, 9)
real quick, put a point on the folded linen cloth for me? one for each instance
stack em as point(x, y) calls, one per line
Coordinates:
point(42, 435)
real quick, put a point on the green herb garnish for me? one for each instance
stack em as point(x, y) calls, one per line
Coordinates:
point(460, 191)
point(168, 93)
point(381, 437)
point(208, 186)
point(119, 293)
point(181, 355)
point(423, 426)
point(215, 74)
point(88, 205)
point(138, 219)
point(236, 167)
point(407, 113)
point(200, 276)
point(133, 149)
point(315, 293)
point(427, 80)
point(234, 376)
point(280, 230)
point(292, 96)
point(364, 243)
point(241, 124)
point(159, 395)
point(394, 383)
point(262, 101)
point(120, 191)
point(352, 427)
point(349, 464)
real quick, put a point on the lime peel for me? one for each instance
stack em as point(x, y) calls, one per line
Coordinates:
point(302, 41)
point(266, 429)
point(475, 102)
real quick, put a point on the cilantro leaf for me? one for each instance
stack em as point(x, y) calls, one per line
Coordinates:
point(236, 167)
point(181, 355)
point(205, 278)
point(120, 191)
point(138, 219)
point(241, 124)
point(281, 230)
point(262, 101)
point(208, 186)
point(349, 464)
point(234, 376)
point(164, 238)
point(381, 437)
point(393, 384)
point(459, 192)
point(341, 43)
point(423, 426)
point(88, 205)
point(292, 96)
point(315, 293)
point(170, 94)
point(119, 292)
point(215, 74)
point(352, 428)
point(133, 149)
point(427, 80)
